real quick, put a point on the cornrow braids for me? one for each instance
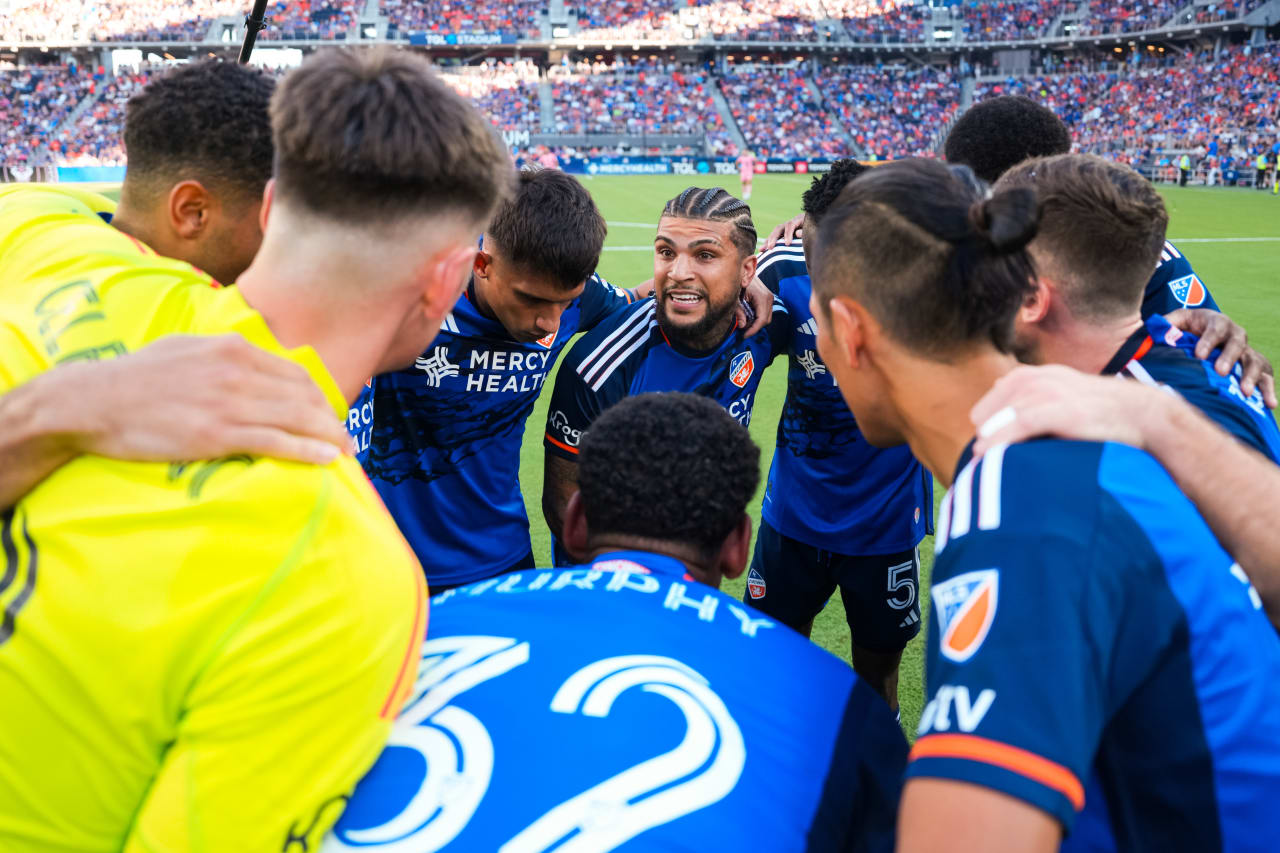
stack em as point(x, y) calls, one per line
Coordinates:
point(716, 205)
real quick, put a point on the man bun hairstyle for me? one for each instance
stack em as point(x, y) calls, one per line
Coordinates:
point(667, 467)
point(938, 261)
point(1102, 229)
point(367, 136)
point(997, 134)
point(826, 187)
point(716, 205)
point(550, 227)
point(206, 121)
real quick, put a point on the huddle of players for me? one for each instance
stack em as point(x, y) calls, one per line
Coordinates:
point(923, 281)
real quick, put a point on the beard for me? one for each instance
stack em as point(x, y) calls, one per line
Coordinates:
point(704, 333)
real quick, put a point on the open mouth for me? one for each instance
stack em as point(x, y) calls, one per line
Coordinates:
point(683, 298)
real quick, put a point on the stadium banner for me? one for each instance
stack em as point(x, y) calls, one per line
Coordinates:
point(682, 165)
point(481, 39)
point(90, 174)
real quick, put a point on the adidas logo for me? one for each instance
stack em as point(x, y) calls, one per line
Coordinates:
point(809, 328)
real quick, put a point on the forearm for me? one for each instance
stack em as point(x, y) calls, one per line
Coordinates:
point(37, 437)
point(1235, 488)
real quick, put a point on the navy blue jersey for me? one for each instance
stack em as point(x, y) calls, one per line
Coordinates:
point(622, 705)
point(630, 354)
point(1158, 354)
point(1175, 285)
point(827, 486)
point(444, 452)
point(1095, 653)
point(360, 422)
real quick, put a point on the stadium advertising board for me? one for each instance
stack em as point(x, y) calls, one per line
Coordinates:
point(482, 39)
point(676, 165)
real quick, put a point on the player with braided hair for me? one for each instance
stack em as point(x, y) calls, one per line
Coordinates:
point(685, 338)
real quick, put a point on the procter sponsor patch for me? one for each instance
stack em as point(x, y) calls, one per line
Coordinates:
point(1188, 290)
point(741, 368)
point(755, 584)
point(965, 607)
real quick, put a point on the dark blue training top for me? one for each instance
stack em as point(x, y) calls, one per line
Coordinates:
point(1175, 285)
point(1094, 652)
point(828, 487)
point(444, 448)
point(622, 705)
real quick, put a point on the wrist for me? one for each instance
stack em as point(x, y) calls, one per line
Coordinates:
point(52, 410)
point(1161, 420)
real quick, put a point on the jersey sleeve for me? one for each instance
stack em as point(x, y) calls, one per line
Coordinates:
point(779, 263)
point(298, 701)
point(780, 329)
point(1175, 285)
point(578, 398)
point(600, 299)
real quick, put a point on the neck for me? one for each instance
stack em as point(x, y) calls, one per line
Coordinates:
point(128, 220)
point(936, 421)
point(313, 293)
point(1088, 347)
point(481, 301)
point(696, 564)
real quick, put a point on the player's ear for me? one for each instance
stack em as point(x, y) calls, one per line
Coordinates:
point(446, 275)
point(848, 329)
point(748, 271)
point(575, 533)
point(736, 550)
point(1036, 306)
point(190, 208)
point(268, 196)
point(482, 263)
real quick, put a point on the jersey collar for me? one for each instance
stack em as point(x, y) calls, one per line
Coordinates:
point(658, 564)
point(1138, 345)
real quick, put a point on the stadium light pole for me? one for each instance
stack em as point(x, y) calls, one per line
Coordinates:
point(254, 23)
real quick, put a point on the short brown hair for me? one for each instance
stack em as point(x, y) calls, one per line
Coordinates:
point(366, 136)
point(1102, 228)
point(550, 227)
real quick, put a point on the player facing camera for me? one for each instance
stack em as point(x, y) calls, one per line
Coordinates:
point(537, 254)
point(670, 474)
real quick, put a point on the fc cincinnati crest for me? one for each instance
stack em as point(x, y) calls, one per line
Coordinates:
point(755, 584)
point(740, 369)
point(1188, 290)
point(548, 340)
point(965, 607)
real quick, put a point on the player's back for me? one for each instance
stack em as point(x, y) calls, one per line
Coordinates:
point(1095, 653)
point(624, 705)
point(171, 631)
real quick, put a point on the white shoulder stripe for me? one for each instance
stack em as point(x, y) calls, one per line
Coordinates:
point(962, 518)
point(944, 524)
point(618, 351)
point(989, 488)
point(775, 256)
point(613, 364)
point(1172, 249)
point(636, 320)
point(1138, 372)
point(450, 324)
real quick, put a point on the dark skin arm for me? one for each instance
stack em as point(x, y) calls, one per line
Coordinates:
point(559, 482)
point(1217, 331)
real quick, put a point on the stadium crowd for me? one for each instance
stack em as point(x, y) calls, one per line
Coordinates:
point(506, 92)
point(34, 102)
point(778, 114)
point(892, 111)
point(519, 17)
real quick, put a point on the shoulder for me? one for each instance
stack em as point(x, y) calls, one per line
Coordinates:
point(619, 337)
point(781, 262)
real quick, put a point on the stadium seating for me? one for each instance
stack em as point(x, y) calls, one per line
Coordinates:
point(778, 114)
point(33, 103)
point(465, 16)
point(96, 139)
point(507, 92)
point(892, 111)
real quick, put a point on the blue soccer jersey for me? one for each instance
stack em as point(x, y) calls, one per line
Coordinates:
point(827, 486)
point(444, 452)
point(1159, 354)
point(630, 354)
point(622, 705)
point(1095, 653)
point(1175, 285)
point(360, 422)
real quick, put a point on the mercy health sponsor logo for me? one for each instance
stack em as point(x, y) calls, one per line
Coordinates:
point(501, 371)
point(628, 168)
point(965, 607)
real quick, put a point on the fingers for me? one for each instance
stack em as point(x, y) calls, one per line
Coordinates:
point(1256, 374)
point(1267, 385)
point(792, 230)
point(776, 236)
point(277, 444)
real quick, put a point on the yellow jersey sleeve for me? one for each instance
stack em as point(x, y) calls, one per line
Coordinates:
point(296, 702)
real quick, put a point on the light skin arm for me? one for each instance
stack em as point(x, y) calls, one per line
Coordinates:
point(183, 397)
point(1235, 488)
point(944, 816)
point(560, 481)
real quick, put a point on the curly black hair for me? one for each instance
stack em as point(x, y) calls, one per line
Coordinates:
point(671, 467)
point(826, 188)
point(550, 227)
point(995, 135)
point(205, 121)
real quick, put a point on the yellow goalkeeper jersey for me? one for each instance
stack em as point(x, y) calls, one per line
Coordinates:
point(193, 656)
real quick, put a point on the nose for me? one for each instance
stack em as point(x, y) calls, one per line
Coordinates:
point(681, 269)
point(548, 321)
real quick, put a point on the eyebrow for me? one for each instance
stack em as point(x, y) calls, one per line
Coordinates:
point(711, 241)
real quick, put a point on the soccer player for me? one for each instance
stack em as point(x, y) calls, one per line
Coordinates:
point(200, 155)
point(686, 338)
point(444, 446)
point(1098, 667)
point(207, 655)
point(837, 511)
point(746, 172)
point(995, 135)
point(608, 706)
point(1102, 225)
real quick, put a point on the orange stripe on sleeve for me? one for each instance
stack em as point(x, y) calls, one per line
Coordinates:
point(562, 445)
point(1144, 349)
point(1020, 761)
point(408, 674)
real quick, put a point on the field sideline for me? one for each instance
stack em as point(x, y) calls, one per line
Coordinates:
point(1231, 236)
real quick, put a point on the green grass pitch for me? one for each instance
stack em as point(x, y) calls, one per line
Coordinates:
point(1241, 275)
point(1238, 260)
